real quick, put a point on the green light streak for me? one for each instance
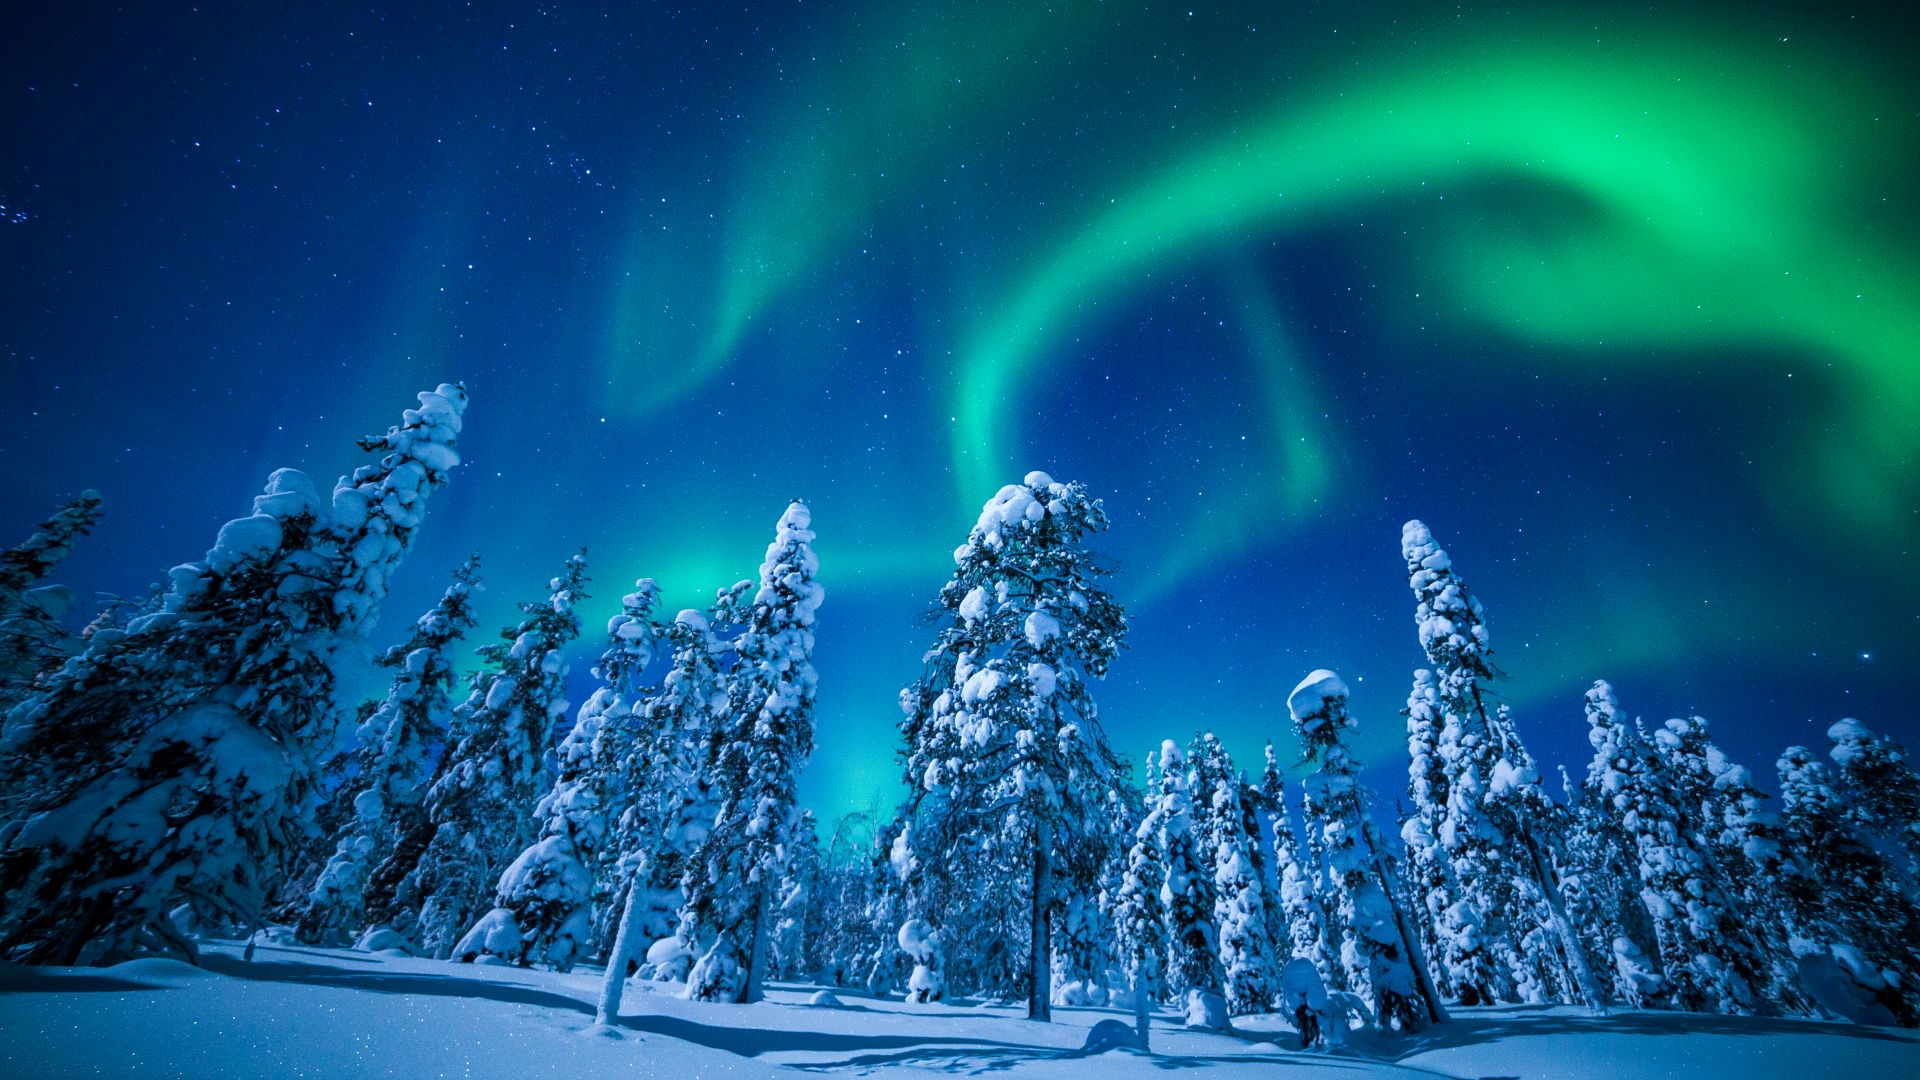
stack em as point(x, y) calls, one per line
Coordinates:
point(1721, 219)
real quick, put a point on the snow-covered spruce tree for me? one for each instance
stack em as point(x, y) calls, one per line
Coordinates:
point(1208, 766)
point(482, 805)
point(1302, 918)
point(398, 744)
point(1679, 885)
point(1379, 936)
point(1604, 856)
point(1749, 840)
point(1883, 789)
point(1428, 871)
point(665, 774)
point(177, 754)
point(1004, 747)
point(1139, 913)
point(543, 906)
point(798, 897)
point(770, 703)
point(33, 641)
point(1502, 866)
point(1194, 973)
point(1856, 933)
point(1690, 769)
point(1240, 908)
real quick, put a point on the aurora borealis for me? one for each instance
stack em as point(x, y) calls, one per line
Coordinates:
point(1626, 306)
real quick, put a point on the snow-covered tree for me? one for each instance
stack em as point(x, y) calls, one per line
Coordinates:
point(482, 805)
point(1194, 972)
point(1603, 858)
point(1857, 934)
point(1240, 907)
point(544, 903)
point(1376, 936)
point(1300, 912)
point(175, 757)
point(1428, 870)
point(1490, 830)
point(1703, 958)
point(797, 898)
point(1139, 913)
point(1008, 763)
point(33, 640)
point(1884, 789)
point(771, 709)
point(398, 744)
point(662, 778)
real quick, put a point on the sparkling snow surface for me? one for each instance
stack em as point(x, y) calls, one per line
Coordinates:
point(338, 1014)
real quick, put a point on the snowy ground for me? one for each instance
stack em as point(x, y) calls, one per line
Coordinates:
point(336, 1014)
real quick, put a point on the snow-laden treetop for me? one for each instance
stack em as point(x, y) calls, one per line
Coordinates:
point(1019, 507)
point(1310, 698)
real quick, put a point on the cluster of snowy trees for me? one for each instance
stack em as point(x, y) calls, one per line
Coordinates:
point(189, 764)
point(192, 763)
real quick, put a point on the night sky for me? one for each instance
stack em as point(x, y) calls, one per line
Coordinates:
point(1626, 307)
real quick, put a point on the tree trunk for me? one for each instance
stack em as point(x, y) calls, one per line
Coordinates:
point(754, 987)
point(1409, 937)
point(614, 983)
point(1582, 975)
point(1142, 1025)
point(1040, 957)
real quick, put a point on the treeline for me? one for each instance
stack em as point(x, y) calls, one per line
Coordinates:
point(187, 765)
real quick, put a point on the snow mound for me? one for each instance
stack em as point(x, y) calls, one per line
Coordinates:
point(1109, 1035)
point(159, 967)
point(1206, 1011)
point(826, 999)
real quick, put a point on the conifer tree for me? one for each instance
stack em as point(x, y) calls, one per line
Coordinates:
point(1007, 760)
point(482, 805)
point(1428, 870)
point(175, 757)
point(1139, 913)
point(544, 903)
point(1856, 930)
point(1604, 858)
point(1884, 789)
point(398, 744)
point(666, 774)
point(771, 709)
point(798, 898)
point(1505, 869)
point(1240, 908)
point(1300, 911)
point(1195, 975)
point(33, 641)
point(1377, 936)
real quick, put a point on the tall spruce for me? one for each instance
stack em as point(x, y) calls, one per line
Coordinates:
point(1195, 975)
point(1379, 939)
point(1507, 873)
point(771, 737)
point(482, 805)
point(398, 744)
point(1008, 763)
point(667, 804)
point(544, 902)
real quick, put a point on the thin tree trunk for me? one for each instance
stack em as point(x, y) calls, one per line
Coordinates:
point(1582, 975)
point(1416, 952)
point(614, 983)
point(754, 988)
point(1040, 957)
point(1141, 1024)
